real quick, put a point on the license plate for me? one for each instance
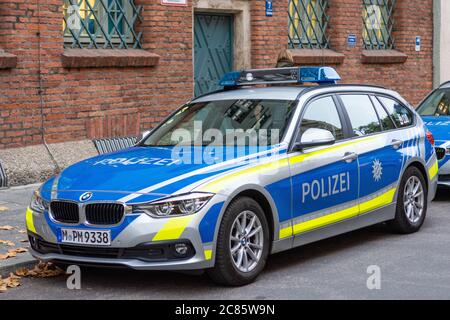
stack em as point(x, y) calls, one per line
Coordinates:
point(90, 237)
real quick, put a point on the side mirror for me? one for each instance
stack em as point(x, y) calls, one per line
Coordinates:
point(314, 138)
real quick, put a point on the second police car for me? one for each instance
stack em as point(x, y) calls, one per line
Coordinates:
point(235, 175)
point(435, 112)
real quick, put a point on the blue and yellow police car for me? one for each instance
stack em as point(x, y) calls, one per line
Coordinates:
point(435, 112)
point(269, 163)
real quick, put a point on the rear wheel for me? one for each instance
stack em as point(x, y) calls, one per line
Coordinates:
point(411, 202)
point(242, 244)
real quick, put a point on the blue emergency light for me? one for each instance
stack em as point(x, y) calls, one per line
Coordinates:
point(319, 75)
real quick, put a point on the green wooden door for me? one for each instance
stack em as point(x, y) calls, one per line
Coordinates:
point(213, 50)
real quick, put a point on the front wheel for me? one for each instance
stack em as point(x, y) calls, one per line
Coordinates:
point(411, 202)
point(242, 244)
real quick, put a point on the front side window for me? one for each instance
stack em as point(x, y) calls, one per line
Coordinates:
point(322, 114)
point(308, 24)
point(225, 122)
point(400, 114)
point(378, 24)
point(437, 104)
point(101, 24)
point(362, 115)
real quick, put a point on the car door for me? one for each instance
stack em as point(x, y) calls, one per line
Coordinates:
point(324, 179)
point(379, 158)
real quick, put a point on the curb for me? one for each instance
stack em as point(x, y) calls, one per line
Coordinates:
point(27, 261)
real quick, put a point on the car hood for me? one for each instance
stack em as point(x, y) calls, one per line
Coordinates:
point(439, 127)
point(151, 172)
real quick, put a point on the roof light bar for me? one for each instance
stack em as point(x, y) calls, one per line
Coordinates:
point(320, 75)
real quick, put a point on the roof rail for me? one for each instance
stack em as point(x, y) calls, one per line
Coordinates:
point(299, 75)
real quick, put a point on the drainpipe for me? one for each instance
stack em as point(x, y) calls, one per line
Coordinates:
point(41, 89)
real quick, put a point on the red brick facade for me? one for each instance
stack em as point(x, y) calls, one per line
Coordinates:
point(85, 103)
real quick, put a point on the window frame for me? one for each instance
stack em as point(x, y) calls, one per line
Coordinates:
point(84, 39)
point(371, 40)
point(308, 30)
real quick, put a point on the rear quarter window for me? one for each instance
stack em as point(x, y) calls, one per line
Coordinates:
point(401, 115)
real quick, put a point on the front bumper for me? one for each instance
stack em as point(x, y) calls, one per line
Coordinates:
point(196, 262)
point(132, 235)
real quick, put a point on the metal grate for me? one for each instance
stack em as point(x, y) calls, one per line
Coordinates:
point(65, 212)
point(378, 22)
point(3, 178)
point(114, 144)
point(101, 24)
point(104, 213)
point(307, 23)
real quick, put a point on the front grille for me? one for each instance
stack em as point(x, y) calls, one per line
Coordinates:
point(444, 177)
point(65, 212)
point(104, 213)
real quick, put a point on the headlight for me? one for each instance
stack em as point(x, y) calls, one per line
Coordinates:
point(38, 204)
point(176, 206)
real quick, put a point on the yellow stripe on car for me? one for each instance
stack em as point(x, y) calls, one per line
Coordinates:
point(286, 232)
point(378, 202)
point(433, 171)
point(29, 220)
point(218, 184)
point(173, 228)
point(302, 157)
point(208, 254)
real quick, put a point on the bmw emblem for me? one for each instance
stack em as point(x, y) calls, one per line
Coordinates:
point(86, 196)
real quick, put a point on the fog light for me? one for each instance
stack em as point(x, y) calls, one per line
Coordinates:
point(181, 249)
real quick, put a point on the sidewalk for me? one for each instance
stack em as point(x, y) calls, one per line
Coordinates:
point(13, 203)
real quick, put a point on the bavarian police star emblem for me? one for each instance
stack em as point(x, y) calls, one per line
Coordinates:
point(377, 170)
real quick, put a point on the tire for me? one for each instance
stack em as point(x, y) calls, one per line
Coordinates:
point(404, 222)
point(226, 270)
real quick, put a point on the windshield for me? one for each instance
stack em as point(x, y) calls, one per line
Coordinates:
point(227, 122)
point(437, 104)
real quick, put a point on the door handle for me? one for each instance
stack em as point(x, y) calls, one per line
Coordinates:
point(395, 143)
point(349, 157)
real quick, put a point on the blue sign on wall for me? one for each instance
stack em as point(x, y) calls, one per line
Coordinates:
point(418, 43)
point(269, 8)
point(351, 40)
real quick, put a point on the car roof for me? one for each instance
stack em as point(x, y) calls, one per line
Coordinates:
point(282, 92)
point(268, 93)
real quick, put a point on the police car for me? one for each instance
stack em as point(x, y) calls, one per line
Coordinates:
point(435, 112)
point(235, 175)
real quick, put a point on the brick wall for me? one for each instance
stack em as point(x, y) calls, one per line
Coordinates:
point(95, 102)
point(98, 102)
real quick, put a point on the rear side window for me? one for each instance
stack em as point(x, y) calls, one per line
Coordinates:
point(400, 114)
point(385, 119)
point(363, 117)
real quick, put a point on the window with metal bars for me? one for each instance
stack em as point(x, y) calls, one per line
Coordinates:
point(101, 24)
point(378, 22)
point(308, 23)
